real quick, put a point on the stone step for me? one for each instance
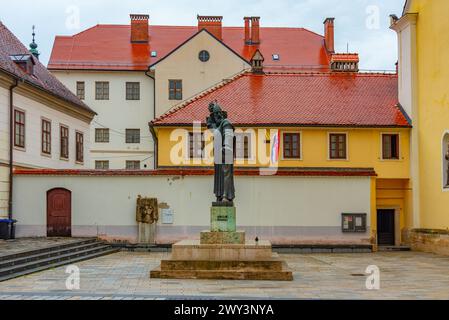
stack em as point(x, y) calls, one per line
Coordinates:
point(283, 275)
point(241, 266)
point(47, 249)
point(49, 262)
point(393, 248)
point(41, 256)
point(52, 265)
point(193, 250)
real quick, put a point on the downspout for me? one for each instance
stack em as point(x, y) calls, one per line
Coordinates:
point(153, 133)
point(11, 148)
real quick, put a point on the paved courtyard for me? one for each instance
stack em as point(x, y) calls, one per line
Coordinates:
point(124, 275)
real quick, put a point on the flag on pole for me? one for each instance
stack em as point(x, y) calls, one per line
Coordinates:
point(275, 147)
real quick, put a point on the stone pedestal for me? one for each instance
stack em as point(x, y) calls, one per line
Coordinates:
point(223, 253)
point(146, 233)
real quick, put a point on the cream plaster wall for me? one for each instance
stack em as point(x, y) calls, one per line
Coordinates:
point(117, 114)
point(196, 76)
point(283, 209)
point(31, 156)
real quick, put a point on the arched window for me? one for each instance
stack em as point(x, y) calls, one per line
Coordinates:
point(446, 161)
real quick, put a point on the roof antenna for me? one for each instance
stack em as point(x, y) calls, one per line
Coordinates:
point(347, 47)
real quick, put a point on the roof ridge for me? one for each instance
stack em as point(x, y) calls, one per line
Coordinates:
point(202, 94)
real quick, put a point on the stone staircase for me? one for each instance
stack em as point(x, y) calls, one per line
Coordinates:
point(22, 263)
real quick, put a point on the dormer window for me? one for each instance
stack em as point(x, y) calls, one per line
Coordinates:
point(24, 62)
point(257, 62)
point(345, 62)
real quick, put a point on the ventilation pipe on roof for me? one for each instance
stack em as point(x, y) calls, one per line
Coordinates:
point(213, 24)
point(139, 28)
point(252, 30)
point(329, 34)
point(255, 30)
point(247, 30)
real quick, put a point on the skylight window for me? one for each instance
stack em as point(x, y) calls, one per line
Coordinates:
point(154, 54)
point(276, 57)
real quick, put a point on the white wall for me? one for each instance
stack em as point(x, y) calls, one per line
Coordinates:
point(283, 209)
point(31, 156)
point(117, 114)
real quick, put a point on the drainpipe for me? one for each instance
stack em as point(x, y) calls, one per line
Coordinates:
point(153, 133)
point(11, 143)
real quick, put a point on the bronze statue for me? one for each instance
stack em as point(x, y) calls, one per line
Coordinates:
point(223, 154)
point(447, 158)
point(147, 210)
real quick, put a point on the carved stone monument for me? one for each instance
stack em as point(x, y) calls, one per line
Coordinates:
point(147, 215)
point(223, 252)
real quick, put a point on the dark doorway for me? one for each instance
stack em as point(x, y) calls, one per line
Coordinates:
point(59, 213)
point(385, 227)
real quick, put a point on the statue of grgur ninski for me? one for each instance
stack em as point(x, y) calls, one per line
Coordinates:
point(223, 130)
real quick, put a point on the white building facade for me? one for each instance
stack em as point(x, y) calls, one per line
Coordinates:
point(50, 126)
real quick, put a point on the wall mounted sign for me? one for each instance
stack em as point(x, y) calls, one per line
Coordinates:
point(353, 222)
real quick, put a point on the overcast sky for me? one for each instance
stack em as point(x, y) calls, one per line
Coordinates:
point(363, 24)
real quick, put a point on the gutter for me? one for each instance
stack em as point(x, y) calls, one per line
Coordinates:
point(152, 131)
point(11, 148)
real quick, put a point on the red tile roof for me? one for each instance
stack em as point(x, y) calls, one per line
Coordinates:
point(306, 99)
point(345, 57)
point(108, 47)
point(42, 78)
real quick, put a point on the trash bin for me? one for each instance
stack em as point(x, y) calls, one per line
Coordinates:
point(7, 229)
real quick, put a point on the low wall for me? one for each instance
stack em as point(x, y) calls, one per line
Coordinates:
point(283, 209)
point(428, 240)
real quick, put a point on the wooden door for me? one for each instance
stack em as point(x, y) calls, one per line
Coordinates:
point(385, 227)
point(59, 213)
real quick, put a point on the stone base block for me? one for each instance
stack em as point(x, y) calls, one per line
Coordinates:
point(262, 265)
point(222, 219)
point(250, 261)
point(194, 250)
point(284, 275)
point(207, 237)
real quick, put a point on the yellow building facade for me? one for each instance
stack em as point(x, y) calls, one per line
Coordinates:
point(424, 93)
point(365, 145)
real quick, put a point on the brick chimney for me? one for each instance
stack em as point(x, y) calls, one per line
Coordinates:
point(247, 30)
point(255, 30)
point(213, 24)
point(139, 28)
point(329, 34)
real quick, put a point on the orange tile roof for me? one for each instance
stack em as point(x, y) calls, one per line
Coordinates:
point(108, 47)
point(305, 99)
point(345, 57)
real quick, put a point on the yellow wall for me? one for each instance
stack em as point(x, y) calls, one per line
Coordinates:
point(364, 150)
point(433, 106)
point(196, 76)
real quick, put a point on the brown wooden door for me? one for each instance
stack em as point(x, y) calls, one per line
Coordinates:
point(59, 213)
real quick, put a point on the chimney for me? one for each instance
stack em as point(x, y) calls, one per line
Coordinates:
point(139, 28)
point(329, 34)
point(255, 30)
point(247, 30)
point(213, 24)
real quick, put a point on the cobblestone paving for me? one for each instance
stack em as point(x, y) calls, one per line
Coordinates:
point(25, 244)
point(124, 275)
